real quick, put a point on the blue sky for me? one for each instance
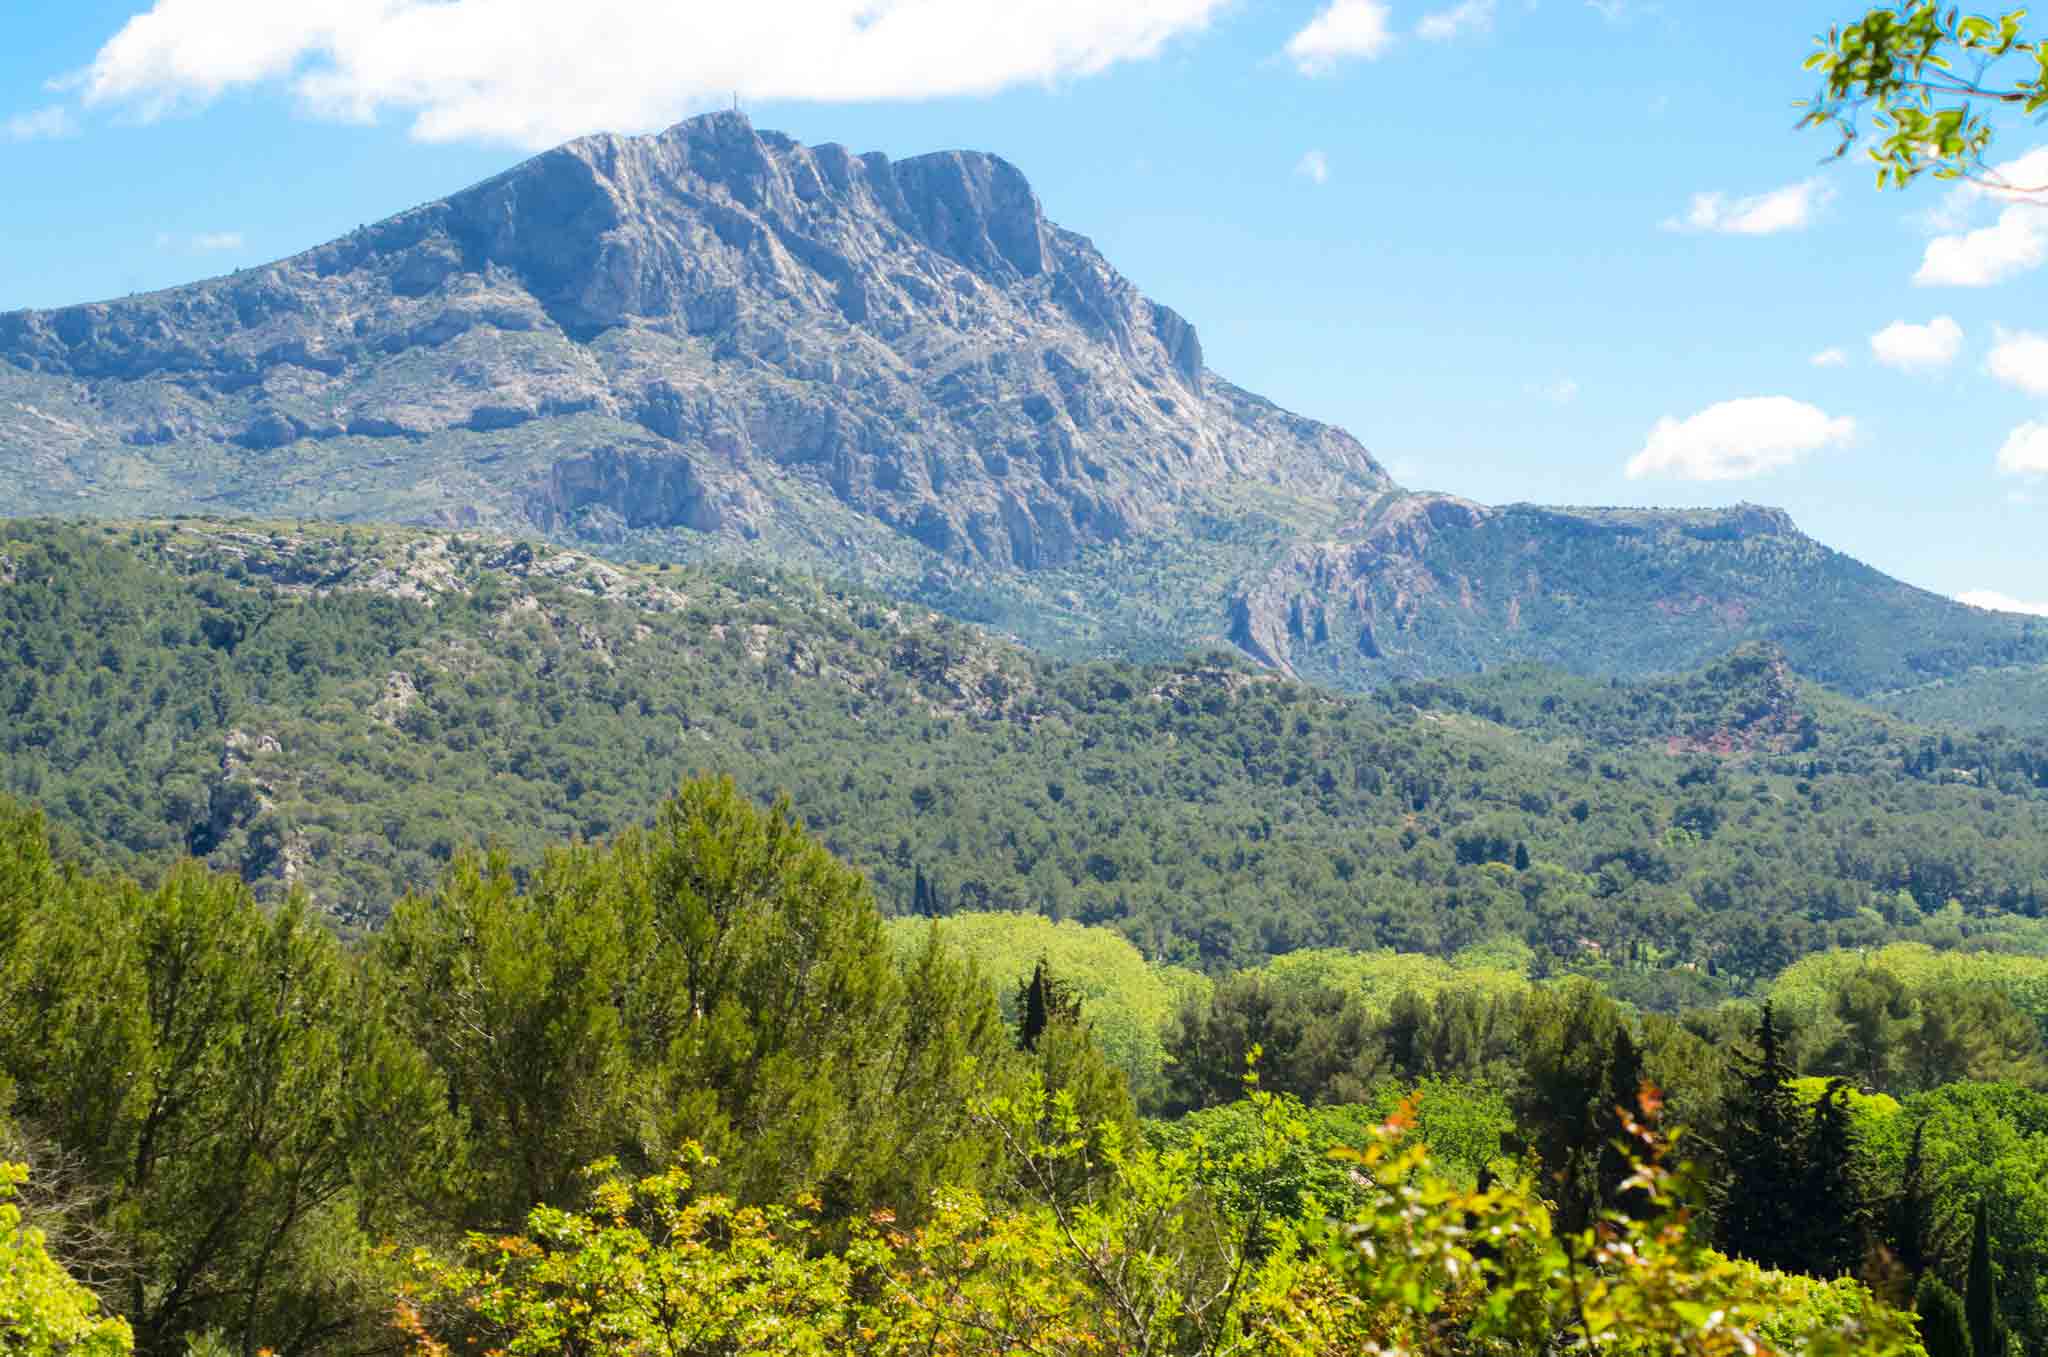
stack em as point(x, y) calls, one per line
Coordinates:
point(1474, 234)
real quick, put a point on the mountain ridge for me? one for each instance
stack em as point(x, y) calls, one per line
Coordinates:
point(717, 343)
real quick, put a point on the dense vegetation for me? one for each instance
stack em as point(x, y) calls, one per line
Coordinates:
point(344, 710)
point(681, 1092)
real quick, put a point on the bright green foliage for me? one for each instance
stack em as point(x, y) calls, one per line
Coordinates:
point(1907, 1017)
point(1980, 1144)
point(1944, 1331)
point(1177, 1251)
point(1125, 1001)
point(43, 1312)
point(1378, 978)
point(1924, 74)
point(1428, 1261)
point(650, 1270)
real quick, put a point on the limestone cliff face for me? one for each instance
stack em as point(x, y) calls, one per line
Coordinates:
point(718, 342)
point(672, 331)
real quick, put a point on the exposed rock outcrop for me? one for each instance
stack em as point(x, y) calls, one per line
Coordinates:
point(649, 333)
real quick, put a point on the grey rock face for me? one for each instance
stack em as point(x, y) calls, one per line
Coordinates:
point(661, 332)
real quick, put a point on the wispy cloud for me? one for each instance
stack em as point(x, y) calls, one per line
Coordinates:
point(1448, 25)
point(1790, 208)
point(1738, 439)
point(42, 124)
point(1918, 348)
point(1830, 358)
point(1343, 30)
point(1313, 166)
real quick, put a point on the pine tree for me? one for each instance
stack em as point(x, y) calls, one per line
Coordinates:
point(1521, 857)
point(1758, 1211)
point(1980, 1296)
point(1943, 1330)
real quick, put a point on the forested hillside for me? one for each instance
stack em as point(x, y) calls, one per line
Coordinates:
point(686, 1082)
point(341, 710)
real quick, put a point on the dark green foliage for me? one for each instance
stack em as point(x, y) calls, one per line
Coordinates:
point(1760, 1211)
point(1943, 1330)
point(1907, 1222)
point(257, 694)
point(234, 1090)
point(716, 978)
point(1313, 1043)
point(1044, 1000)
point(1831, 1200)
point(1980, 1294)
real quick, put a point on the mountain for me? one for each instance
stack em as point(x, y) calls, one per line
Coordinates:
point(718, 343)
point(713, 330)
point(339, 709)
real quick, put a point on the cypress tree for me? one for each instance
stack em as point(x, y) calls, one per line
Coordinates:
point(1521, 857)
point(1044, 1001)
point(1031, 1026)
point(1939, 1311)
point(1980, 1297)
point(1907, 1226)
point(1831, 1202)
point(1624, 1089)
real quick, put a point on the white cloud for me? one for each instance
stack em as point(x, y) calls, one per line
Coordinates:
point(1446, 25)
point(2020, 359)
point(1993, 601)
point(43, 124)
point(1790, 208)
point(1830, 358)
point(1313, 166)
point(1342, 30)
point(1613, 11)
point(2025, 452)
point(1738, 439)
point(1918, 348)
point(2016, 242)
point(1560, 392)
point(534, 72)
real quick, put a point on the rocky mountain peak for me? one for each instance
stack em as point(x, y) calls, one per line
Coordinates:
point(693, 330)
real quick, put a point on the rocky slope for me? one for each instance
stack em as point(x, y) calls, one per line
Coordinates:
point(1423, 584)
point(718, 343)
point(714, 329)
